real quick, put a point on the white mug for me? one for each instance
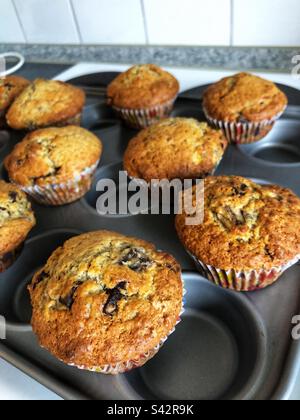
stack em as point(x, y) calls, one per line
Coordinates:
point(17, 66)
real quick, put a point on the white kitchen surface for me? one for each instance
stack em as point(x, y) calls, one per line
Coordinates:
point(188, 78)
point(14, 385)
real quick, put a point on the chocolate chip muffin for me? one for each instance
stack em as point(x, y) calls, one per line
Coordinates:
point(10, 88)
point(250, 234)
point(46, 103)
point(175, 148)
point(106, 302)
point(244, 106)
point(55, 165)
point(16, 221)
point(143, 94)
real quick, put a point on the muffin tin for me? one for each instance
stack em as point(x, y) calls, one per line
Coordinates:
point(229, 345)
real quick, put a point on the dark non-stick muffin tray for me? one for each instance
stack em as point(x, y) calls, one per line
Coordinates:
point(228, 345)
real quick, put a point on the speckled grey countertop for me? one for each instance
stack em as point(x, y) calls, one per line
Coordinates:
point(259, 58)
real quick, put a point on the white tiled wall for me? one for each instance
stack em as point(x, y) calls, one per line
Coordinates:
point(163, 22)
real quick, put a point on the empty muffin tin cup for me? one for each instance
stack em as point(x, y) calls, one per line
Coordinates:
point(15, 304)
point(281, 148)
point(243, 132)
point(63, 193)
point(242, 281)
point(142, 118)
point(216, 352)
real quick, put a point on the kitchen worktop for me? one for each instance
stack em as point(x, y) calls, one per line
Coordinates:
point(14, 385)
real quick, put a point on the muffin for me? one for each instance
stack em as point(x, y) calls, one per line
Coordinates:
point(10, 88)
point(16, 221)
point(46, 103)
point(55, 165)
point(175, 148)
point(143, 94)
point(244, 106)
point(105, 302)
point(250, 234)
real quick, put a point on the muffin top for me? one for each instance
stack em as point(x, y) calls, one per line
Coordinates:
point(104, 298)
point(44, 103)
point(10, 88)
point(174, 148)
point(52, 155)
point(143, 86)
point(246, 226)
point(244, 97)
point(16, 217)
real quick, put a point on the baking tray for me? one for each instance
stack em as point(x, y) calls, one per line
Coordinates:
point(229, 345)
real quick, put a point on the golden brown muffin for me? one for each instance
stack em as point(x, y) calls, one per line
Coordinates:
point(52, 156)
point(10, 88)
point(46, 103)
point(246, 226)
point(55, 165)
point(105, 299)
point(175, 148)
point(244, 98)
point(141, 87)
point(16, 221)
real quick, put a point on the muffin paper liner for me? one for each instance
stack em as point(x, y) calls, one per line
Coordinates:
point(243, 132)
point(142, 118)
point(63, 193)
point(124, 367)
point(8, 259)
point(242, 281)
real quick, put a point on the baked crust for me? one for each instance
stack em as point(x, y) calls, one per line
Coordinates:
point(175, 148)
point(45, 103)
point(104, 299)
point(141, 87)
point(244, 98)
point(52, 155)
point(16, 217)
point(10, 88)
point(246, 226)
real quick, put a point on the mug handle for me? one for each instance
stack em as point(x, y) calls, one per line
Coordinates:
point(16, 67)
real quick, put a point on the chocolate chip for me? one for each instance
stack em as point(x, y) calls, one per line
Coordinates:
point(136, 259)
point(114, 296)
point(269, 253)
point(241, 190)
point(9, 86)
point(43, 276)
point(69, 299)
point(13, 196)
